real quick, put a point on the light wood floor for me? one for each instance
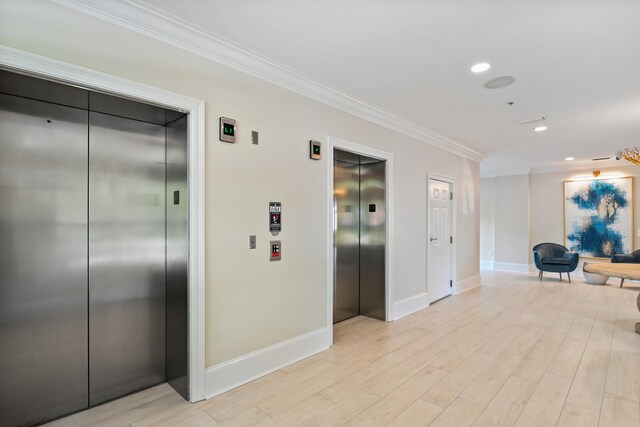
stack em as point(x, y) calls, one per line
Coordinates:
point(512, 352)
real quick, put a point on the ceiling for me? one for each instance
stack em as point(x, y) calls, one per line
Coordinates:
point(575, 62)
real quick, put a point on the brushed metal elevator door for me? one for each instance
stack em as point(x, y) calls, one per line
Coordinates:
point(126, 256)
point(177, 257)
point(359, 236)
point(346, 256)
point(43, 260)
point(372, 238)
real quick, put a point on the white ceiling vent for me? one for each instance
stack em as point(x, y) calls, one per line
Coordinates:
point(500, 82)
point(532, 120)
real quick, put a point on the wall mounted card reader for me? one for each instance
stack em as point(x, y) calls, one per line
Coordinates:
point(314, 150)
point(276, 252)
point(275, 217)
point(227, 130)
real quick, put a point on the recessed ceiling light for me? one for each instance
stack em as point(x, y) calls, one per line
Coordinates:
point(481, 67)
point(540, 128)
point(570, 158)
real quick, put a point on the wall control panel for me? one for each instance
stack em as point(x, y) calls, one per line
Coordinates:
point(314, 150)
point(276, 250)
point(275, 217)
point(227, 130)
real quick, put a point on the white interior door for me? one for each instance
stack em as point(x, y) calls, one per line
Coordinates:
point(440, 240)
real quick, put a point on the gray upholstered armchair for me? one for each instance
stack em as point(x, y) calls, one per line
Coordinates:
point(554, 258)
point(633, 258)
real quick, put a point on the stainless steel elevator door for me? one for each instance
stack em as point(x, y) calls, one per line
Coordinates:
point(372, 239)
point(177, 257)
point(359, 236)
point(43, 260)
point(126, 256)
point(346, 256)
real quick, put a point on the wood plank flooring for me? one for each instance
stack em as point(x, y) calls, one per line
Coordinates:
point(513, 352)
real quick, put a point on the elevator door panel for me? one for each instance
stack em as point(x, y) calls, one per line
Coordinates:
point(372, 240)
point(347, 241)
point(43, 260)
point(126, 256)
point(177, 257)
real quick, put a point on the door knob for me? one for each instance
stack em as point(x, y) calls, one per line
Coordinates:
point(433, 238)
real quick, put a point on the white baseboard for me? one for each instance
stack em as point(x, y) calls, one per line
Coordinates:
point(508, 266)
point(466, 284)
point(233, 373)
point(409, 305)
point(486, 265)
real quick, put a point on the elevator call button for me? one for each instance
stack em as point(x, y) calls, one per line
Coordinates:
point(275, 250)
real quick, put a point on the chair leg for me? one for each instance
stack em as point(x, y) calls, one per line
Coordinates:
point(569, 276)
point(621, 282)
point(560, 276)
point(541, 275)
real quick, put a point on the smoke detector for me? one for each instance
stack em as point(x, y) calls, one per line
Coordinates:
point(500, 82)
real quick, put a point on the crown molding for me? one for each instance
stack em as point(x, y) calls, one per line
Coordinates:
point(152, 22)
point(504, 172)
point(568, 167)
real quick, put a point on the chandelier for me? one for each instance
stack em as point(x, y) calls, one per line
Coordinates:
point(630, 154)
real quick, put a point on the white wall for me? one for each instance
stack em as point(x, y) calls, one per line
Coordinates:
point(252, 303)
point(487, 218)
point(511, 220)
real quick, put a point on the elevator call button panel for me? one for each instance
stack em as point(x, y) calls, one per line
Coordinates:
point(275, 217)
point(227, 130)
point(275, 246)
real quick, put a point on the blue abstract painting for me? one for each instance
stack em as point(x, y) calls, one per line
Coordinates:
point(599, 216)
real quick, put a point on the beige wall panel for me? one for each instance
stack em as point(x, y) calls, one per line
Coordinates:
point(512, 219)
point(487, 218)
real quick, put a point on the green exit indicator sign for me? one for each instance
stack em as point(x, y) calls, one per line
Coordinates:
point(227, 130)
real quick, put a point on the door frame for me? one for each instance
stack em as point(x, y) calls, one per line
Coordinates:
point(41, 66)
point(453, 215)
point(333, 142)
